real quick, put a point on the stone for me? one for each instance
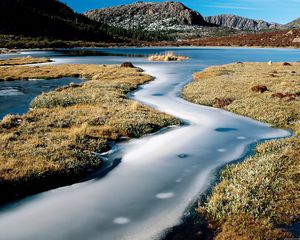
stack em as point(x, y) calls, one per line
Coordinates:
point(278, 95)
point(222, 102)
point(127, 65)
point(259, 88)
point(296, 40)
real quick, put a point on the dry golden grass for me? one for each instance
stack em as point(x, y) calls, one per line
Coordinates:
point(23, 61)
point(57, 137)
point(168, 56)
point(235, 81)
point(256, 196)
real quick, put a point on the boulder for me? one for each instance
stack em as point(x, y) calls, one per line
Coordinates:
point(259, 88)
point(127, 65)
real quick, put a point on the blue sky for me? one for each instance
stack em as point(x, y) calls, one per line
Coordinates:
point(281, 11)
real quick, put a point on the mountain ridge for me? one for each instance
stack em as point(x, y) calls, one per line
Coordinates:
point(171, 16)
point(294, 24)
point(149, 16)
point(151, 21)
point(241, 23)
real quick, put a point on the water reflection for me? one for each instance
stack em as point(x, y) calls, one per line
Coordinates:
point(95, 52)
point(15, 96)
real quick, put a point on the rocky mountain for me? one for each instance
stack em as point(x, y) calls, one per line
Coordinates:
point(149, 16)
point(240, 23)
point(157, 16)
point(47, 18)
point(294, 24)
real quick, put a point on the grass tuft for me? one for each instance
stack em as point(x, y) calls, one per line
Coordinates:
point(168, 56)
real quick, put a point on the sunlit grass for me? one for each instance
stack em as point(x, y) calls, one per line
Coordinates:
point(167, 57)
point(256, 196)
point(23, 61)
point(63, 128)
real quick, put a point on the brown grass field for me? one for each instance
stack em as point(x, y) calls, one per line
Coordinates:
point(23, 61)
point(278, 38)
point(53, 143)
point(256, 196)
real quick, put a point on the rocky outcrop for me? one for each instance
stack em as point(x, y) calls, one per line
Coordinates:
point(259, 88)
point(240, 23)
point(149, 16)
point(294, 24)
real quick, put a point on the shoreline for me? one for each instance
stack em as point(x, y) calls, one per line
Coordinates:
point(193, 225)
point(286, 38)
point(154, 46)
point(226, 226)
point(26, 60)
point(96, 136)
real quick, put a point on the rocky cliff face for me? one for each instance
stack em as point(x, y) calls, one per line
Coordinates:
point(149, 16)
point(241, 23)
point(294, 24)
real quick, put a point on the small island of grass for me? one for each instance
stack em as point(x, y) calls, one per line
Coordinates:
point(23, 61)
point(167, 57)
point(55, 142)
point(8, 51)
point(256, 196)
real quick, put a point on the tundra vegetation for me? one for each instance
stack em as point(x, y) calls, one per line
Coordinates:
point(258, 195)
point(23, 61)
point(54, 143)
point(167, 57)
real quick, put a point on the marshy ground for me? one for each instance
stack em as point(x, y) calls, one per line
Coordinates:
point(54, 142)
point(23, 61)
point(256, 196)
point(56, 139)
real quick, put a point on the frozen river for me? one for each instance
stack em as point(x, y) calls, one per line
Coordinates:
point(157, 177)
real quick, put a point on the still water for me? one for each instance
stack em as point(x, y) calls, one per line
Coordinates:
point(15, 96)
point(158, 176)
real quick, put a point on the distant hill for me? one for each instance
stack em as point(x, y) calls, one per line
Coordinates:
point(240, 23)
point(147, 21)
point(294, 24)
point(149, 16)
point(280, 38)
point(47, 18)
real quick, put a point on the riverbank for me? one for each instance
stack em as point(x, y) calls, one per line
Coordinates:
point(8, 51)
point(288, 38)
point(54, 143)
point(256, 196)
point(11, 45)
point(274, 39)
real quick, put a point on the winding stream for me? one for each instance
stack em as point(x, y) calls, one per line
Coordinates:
point(159, 175)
